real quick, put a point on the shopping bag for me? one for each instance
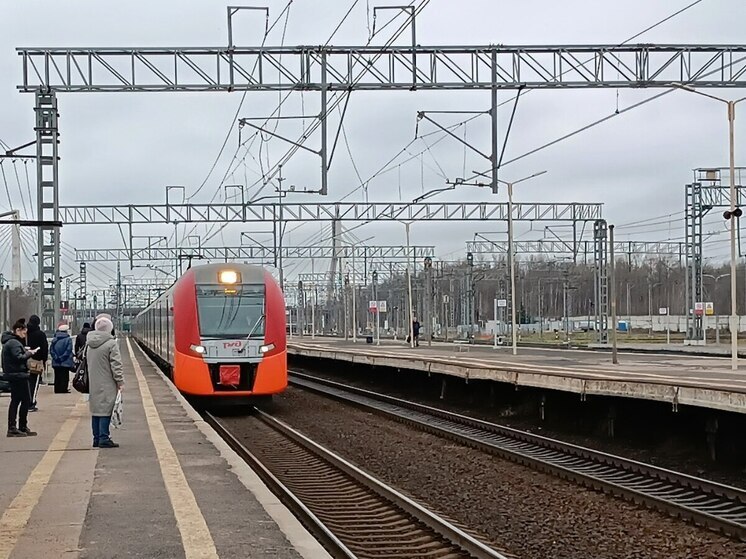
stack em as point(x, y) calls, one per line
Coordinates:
point(118, 414)
point(80, 380)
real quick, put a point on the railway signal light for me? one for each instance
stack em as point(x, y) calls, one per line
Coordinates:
point(735, 213)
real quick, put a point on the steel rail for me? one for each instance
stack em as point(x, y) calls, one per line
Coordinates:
point(703, 502)
point(353, 514)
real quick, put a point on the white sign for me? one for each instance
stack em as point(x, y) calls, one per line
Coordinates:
point(382, 306)
point(663, 310)
point(372, 305)
point(502, 302)
point(699, 308)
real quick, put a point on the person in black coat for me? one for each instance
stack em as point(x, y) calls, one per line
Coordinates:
point(80, 339)
point(15, 371)
point(416, 331)
point(36, 338)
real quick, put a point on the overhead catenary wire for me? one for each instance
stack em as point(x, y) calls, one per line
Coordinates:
point(333, 103)
point(238, 110)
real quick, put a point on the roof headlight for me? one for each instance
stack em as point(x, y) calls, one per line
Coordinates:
point(266, 347)
point(229, 277)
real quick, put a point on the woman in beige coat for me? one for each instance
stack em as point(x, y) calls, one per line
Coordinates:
point(105, 380)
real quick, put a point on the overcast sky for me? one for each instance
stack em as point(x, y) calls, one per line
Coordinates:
point(124, 148)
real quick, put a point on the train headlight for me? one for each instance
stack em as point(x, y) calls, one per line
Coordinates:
point(229, 277)
point(197, 349)
point(265, 348)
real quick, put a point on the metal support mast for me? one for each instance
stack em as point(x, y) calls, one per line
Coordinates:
point(601, 286)
point(48, 240)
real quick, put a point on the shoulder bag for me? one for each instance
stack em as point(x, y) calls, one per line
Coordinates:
point(80, 380)
point(35, 366)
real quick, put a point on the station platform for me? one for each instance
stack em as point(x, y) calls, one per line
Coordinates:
point(173, 489)
point(677, 379)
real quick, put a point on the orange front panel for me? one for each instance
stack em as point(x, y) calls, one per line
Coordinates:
point(272, 374)
point(191, 376)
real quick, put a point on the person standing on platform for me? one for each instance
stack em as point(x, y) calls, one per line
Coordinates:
point(36, 338)
point(61, 350)
point(106, 315)
point(15, 371)
point(81, 338)
point(105, 379)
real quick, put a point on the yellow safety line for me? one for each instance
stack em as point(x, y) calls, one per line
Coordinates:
point(16, 516)
point(195, 535)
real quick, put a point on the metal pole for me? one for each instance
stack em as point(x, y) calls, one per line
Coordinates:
point(15, 252)
point(322, 117)
point(290, 321)
point(495, 315)
point(313, 313)
point(511, 264)
point(612, 274)
point(650, 309)
point(429, 302)
point(354, 301)
point(409, 291)
point(733, 201)
point(493, 116)
point(668, 317)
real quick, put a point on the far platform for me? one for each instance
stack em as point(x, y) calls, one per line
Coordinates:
point(677, 379)
point(173, 489)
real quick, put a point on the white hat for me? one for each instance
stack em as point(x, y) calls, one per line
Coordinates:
point(63, 328)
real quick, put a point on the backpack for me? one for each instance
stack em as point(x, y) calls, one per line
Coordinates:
point(80, 380)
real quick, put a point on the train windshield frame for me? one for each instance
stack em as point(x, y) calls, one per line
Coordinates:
point(231, 311)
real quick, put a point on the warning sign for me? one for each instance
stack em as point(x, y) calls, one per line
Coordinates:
point(709, 309)
point(699, 308)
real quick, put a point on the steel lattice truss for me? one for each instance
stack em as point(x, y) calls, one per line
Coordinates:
point(386, 271)
point(314, 68)
point(341, 211)
point(252, 252)
point(553, 246)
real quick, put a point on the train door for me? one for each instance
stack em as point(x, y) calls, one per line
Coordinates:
point(169, 328)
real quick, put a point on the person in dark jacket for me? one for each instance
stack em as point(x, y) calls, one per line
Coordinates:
point(15, 371)
point(61, 350)
point(80, 339)
point(416, 331)
point(36, 338)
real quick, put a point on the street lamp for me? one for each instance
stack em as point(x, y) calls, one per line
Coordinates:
point(409, 288)
point(728, 215)
point(374, 288)
point(511, 256)
point(717, 322)
point(651, 286)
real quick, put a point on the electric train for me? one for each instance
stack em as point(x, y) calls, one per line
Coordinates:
point(219, 331)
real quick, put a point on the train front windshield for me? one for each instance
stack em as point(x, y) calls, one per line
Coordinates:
point(235, 311)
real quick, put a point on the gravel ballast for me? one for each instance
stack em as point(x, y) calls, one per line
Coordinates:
point(526, 513)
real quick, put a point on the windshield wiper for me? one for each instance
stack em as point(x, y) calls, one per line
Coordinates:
point(256, 325)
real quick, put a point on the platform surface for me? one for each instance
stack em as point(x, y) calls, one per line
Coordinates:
point(172, 490)
point(678, 379)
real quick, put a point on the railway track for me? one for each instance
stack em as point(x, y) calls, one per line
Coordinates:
point(705, 503)
point(350, 512)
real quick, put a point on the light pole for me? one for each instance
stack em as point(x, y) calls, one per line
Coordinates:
point(409, 288)
point(629, 308)
point(717, 322)
point(651, 286)
point(728, 215)
point(511, 256)
point(378, 310)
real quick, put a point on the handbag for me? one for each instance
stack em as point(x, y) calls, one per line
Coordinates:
point(80, 380)
point(35, 366)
